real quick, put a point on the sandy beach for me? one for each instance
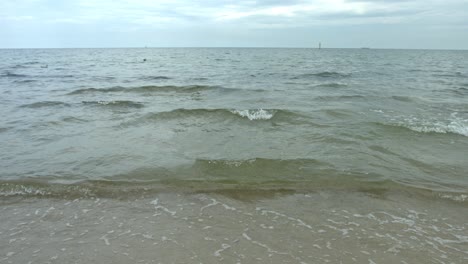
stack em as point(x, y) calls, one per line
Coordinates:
point(235, 227)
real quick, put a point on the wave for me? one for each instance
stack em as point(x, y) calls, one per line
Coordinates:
point(45, 104)
point(249, 114)
point(454, 125)
point(25, 81)
point(72, 119)
point(117, 103)
point(151, 78)
point(162, 89)
point(451, 75)
point(148, 89)
point(324, 74)
point(18, 66)
point(55, 76)
point(218, 175)
point(258, 114)
point(260, 169)
point(8, 189)
point(338, 113)
point(332, 85)
point(454, 197)
point(104, 78)
point(198, 116)
point(252, 114)
point(461, 91)
point(402, 98)
point(255, 173)
point(97, 90)
point(340, 97)
point(122, 103)
point(13, 75)
point(16, 75)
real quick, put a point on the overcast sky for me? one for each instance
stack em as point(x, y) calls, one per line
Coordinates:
point(435, 24)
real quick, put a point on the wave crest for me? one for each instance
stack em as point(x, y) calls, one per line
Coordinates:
point(324, 74)
point(44, 104)
point(152, 78)
point(453, 125)
point(218, 115)
point(148, 89)
point(117, 103)
point(13, 75)
point(256, 114)
point(331, 85)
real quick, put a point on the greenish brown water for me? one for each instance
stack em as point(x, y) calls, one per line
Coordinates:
point(326, 155)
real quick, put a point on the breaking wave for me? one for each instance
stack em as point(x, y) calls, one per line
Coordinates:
point(453, 125)
point(257, 114)
point(251, 114)
point(255, 174)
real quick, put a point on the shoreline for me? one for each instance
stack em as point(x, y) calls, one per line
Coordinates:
point(322, 226)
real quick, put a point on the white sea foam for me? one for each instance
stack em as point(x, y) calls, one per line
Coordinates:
point(454, 125)
point(22, 190)
point(457, 198)
point(257, 114)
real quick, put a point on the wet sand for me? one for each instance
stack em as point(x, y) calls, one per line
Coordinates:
point(235, 227)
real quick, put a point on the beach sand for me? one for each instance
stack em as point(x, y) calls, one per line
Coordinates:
point(235, 227)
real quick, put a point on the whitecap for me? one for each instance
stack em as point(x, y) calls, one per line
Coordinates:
point(256, 114)
point(21, 190)
point(457, 198)
point(454, 125)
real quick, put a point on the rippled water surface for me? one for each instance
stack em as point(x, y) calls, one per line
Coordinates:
point(246, 116)
point(233, 155)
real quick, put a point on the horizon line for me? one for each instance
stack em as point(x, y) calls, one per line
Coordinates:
point(233, 47)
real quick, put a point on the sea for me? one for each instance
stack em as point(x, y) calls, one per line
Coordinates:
point(233, 155)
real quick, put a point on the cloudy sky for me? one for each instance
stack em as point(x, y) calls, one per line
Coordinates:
point(435, 24)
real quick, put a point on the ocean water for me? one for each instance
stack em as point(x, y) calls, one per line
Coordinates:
point(229, 154)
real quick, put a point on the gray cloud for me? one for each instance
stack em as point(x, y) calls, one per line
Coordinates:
point(227, 21)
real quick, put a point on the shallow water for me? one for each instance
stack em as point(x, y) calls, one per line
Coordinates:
point(377, 133)
point(234, 226)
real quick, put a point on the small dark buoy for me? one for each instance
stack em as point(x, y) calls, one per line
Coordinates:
point(144, 59)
